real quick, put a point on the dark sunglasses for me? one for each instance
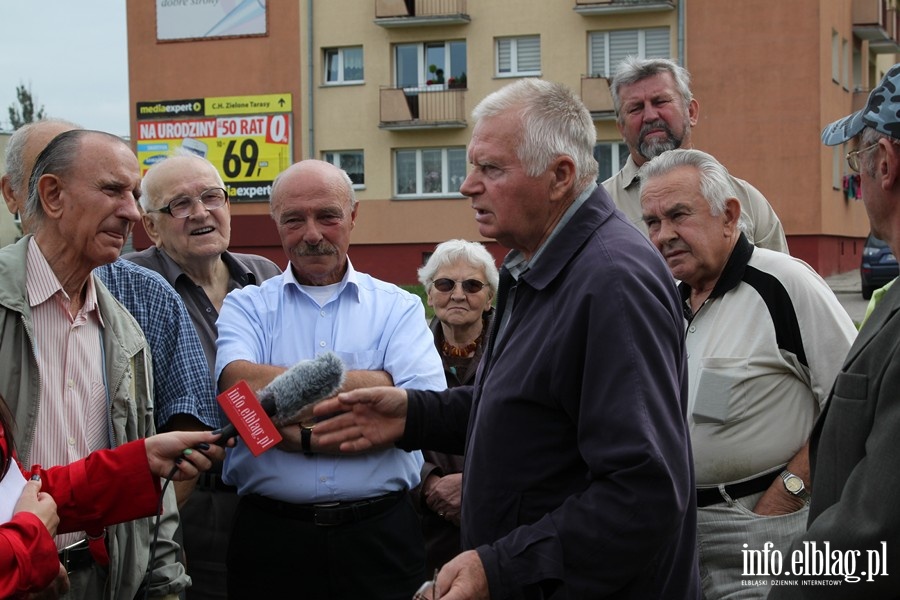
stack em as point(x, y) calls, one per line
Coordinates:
point(469, 286)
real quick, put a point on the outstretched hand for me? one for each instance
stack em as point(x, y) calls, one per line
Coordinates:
point(191, 451)
point(366, 419)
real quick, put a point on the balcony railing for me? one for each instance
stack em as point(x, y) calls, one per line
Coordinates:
point(412, 13)
point(877, 22)
point(611, 7)
point(597, 98)
point(429, 107)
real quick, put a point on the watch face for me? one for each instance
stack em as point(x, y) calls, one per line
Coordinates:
point(793, 484)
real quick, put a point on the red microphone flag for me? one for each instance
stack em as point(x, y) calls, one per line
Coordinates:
point(249, 418)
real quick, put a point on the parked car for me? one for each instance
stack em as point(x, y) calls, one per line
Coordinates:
point(879, 266)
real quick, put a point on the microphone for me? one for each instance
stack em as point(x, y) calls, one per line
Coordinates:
point(298, 388)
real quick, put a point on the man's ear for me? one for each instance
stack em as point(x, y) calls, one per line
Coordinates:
point(887, 169)
point(563, 172)
point(150, 228)
point(732, 215)
point(50, 191)
point(693, 111)
point(6, 188)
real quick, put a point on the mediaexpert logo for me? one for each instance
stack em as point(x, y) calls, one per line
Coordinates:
point(813, 564)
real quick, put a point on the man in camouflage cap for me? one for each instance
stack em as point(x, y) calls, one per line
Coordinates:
point(855, 446)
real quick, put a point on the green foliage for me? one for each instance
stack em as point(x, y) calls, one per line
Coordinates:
point(419, 290)
point(25, 112)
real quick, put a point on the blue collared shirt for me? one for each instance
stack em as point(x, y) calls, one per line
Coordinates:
point(181, 379)
point(370, 325)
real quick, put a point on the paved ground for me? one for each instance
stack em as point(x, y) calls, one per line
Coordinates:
point(847, 288)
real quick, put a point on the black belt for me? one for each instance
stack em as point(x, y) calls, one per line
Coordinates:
point(76, 557)
point(213, 482)
point(710, 496)
point(329, 514)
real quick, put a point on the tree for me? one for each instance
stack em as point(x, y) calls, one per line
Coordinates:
point(26, 114)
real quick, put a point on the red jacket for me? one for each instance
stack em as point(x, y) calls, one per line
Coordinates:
point(107, 487)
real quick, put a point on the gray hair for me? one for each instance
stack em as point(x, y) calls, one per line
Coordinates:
point(554, 123)
point(59, 158)
point(15, 153)
point(151, 194)
point(633, 69)
point(715, 181)
point(451, 251)
point(347, 184)
point(867, 137)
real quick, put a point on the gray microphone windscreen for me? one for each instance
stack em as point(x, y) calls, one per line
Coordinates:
point(304, 384)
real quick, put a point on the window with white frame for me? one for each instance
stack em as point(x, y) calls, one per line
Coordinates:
point(351, 161)
point(344, 65)
point(429, 171)
point(608, 48)
point(611, 157)
point(518, 56)
point(430, 64)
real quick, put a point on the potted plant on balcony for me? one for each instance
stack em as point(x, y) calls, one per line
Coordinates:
point(457, 83)
point(437, 76)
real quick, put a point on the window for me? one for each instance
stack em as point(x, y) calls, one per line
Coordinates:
point(519, 56)
point(608, 48)
point(344, 65)
point(431, 64)
point(352, 162)
point(835, 57)
point(429, 171)
point(845, 65)
point(611, 157)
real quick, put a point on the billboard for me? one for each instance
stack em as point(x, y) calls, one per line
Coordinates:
point(193, 19)
point(247, 138)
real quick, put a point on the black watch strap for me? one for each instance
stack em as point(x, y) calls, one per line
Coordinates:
point(306, 440)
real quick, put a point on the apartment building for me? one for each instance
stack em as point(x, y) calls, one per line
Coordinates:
point(385, 88)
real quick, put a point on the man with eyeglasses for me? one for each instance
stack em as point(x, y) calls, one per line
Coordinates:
point(187, 216)
point(855, 448)
point(312, 524)
point(655, 112)
point(765, 337)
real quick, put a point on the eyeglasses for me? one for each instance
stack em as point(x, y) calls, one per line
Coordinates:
point(853, 157)
point(182, 206)
point(469, 286)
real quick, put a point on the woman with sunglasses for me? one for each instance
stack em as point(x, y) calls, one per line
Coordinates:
point(461, 280)
point(106, 487)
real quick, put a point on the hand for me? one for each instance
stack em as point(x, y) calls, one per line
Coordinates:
point(777, 501)
point(56, 589)
point(192, 451)
point(40, 503)
point(369, 418)
point(463, 578)
point(444, 496)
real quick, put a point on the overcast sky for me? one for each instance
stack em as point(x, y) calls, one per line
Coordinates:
point(74, 57)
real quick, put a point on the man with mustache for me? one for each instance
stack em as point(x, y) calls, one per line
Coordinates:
point(655, 111)
point(765, 339)
point(310, 524)
point(187, 215)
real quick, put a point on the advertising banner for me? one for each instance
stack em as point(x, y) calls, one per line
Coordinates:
point(197, 19)
point(247, 138)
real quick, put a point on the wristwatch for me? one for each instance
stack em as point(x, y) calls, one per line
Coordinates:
point(306, 438)
point(794, 485)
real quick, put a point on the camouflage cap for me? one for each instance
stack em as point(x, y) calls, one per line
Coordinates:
point(882, 112)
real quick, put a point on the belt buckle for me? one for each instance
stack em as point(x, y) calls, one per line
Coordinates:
point(65, 554)
point(326, 518)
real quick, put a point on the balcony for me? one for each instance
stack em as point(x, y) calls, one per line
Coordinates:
point(416, 13)
point(620, 7)
point(877, 23)
point(429, 107)
point(597, 98)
